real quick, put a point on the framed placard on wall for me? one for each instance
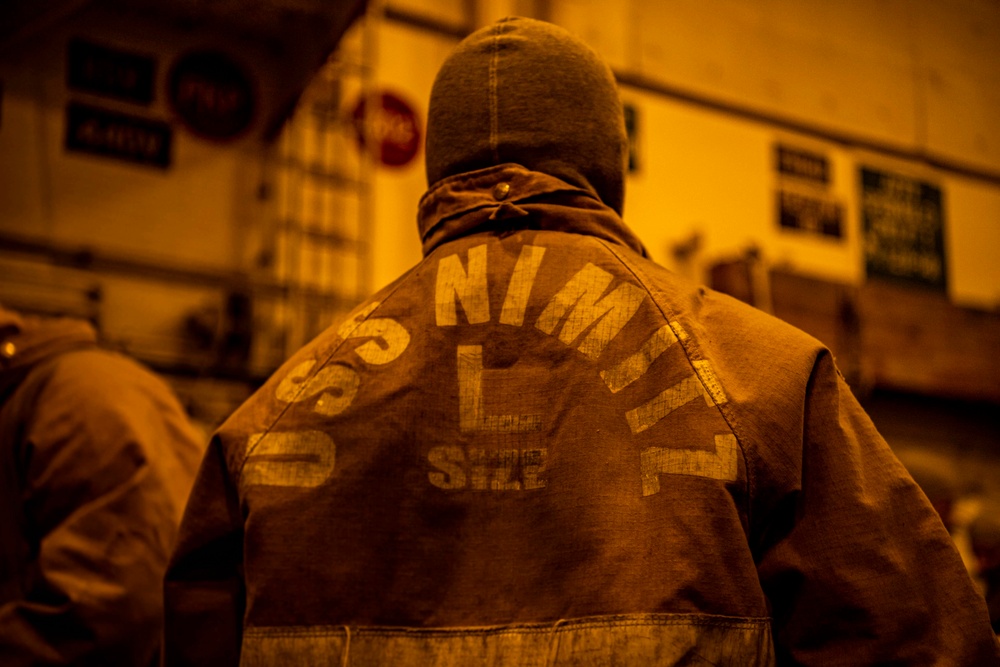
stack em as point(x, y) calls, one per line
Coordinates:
point(117, 135)
point(902, 220)
point(804, 164)
point(805, 201)
point(632, 132)
point(821, 216)
point(101, 70)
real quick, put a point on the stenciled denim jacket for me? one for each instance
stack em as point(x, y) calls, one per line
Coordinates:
point(538, 447)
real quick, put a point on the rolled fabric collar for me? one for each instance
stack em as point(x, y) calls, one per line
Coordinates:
point(509, 196)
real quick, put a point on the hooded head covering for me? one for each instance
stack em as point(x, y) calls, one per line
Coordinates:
point(527, 92)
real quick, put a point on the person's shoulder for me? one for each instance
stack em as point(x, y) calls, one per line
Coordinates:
point(106, 393)
point(722, 315)
point(97, 373)
point(716, 320)
point(763, 365)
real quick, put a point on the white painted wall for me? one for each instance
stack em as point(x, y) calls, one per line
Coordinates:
point(914, 77)
point(407, 63)
point(917, 77)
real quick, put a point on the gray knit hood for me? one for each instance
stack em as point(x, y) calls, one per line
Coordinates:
point(527, 92)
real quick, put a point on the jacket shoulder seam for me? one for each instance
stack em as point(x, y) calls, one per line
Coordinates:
point(684, 341)
point(248, 451)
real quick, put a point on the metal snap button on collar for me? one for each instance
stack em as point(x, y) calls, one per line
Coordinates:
point(500, 191)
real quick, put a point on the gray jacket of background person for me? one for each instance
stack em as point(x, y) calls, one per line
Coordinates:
point(538, 447)
point(96, 460)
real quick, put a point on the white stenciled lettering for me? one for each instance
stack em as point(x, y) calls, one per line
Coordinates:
point(339, 385)
point(390, 341)
point(519, 288)
point(532, 466)
point(504, 464)
point(647, 414)
point(470, 386)
point(581, 299)
point(355, 319)
point(336, 385)
point(295, 458)
point(471, 414)
point(448, 461)
point(469, 288)
point(630, 370)
point(720, 464)
point(707, 375)
point(481, 469)
point(679, 331)
point(291, 385)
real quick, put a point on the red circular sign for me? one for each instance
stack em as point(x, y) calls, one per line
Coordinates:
point(211, 94)
point(394, 128)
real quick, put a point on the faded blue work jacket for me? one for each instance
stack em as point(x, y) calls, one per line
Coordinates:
point(538, 447)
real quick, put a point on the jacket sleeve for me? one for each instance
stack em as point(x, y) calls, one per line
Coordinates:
point(108, 457)
point(857, 566)
point(204, 593)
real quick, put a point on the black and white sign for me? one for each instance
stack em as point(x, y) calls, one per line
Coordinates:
point(903, 223)
point(117, 135)
point(804, 201)
point(100, 70)
point(802, 164)
point(817, 215)
point(632, 132)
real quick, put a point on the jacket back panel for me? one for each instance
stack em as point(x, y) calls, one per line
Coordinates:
point(511, 434)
